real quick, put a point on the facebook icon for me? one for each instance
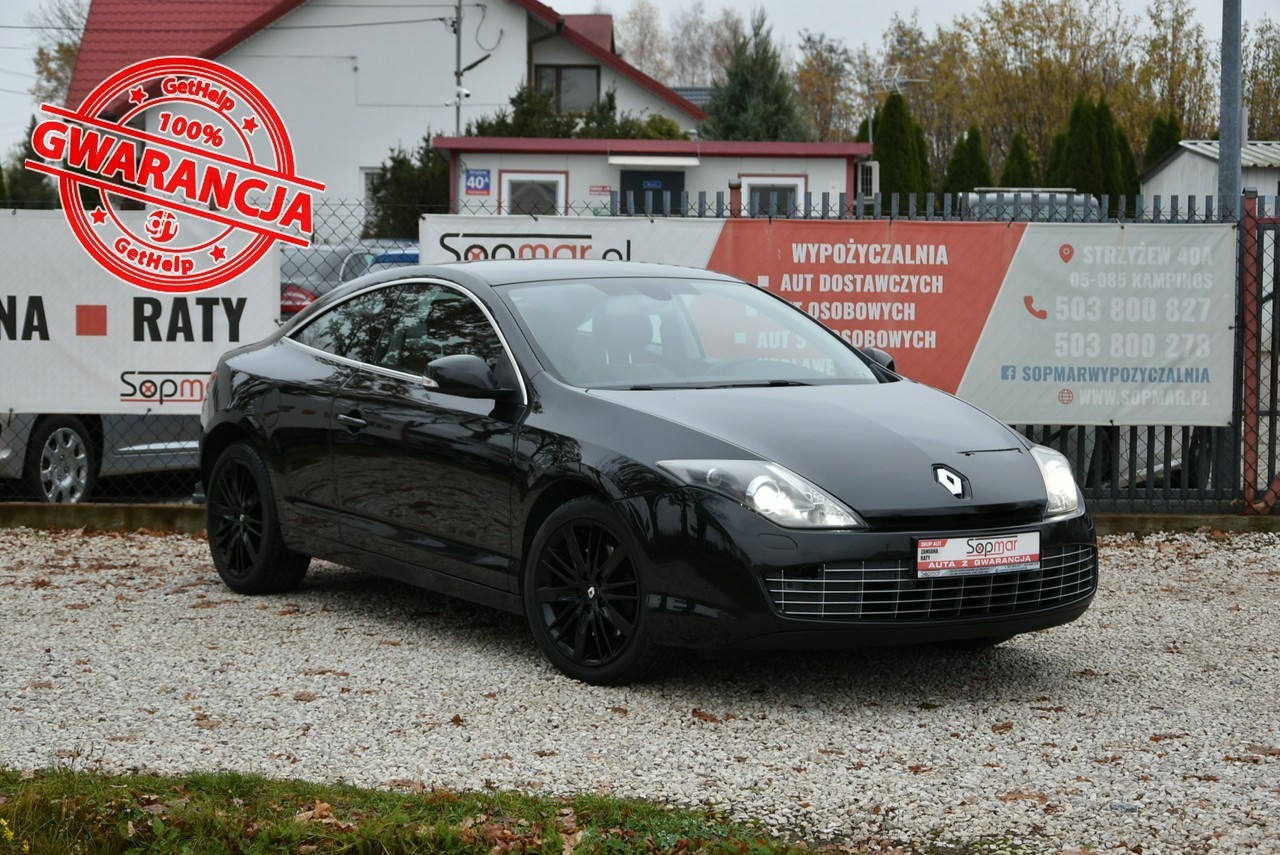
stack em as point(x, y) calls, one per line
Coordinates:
point(1008, 372)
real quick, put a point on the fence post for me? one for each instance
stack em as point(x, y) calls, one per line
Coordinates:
point(735, 197)
point(1249, 367)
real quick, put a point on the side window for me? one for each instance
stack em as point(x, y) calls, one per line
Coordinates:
point(433, 321)
point(351, 329)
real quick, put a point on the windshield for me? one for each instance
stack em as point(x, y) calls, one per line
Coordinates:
point(678, 333)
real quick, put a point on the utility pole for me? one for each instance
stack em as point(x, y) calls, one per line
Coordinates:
point(457, 71)
point(1230, 136)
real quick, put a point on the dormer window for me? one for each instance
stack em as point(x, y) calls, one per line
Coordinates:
point(575, 87)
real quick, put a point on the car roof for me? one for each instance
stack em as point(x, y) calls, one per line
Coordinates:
point(510, 272)
point(481, 275)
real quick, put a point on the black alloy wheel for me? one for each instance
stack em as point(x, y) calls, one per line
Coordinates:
point(584, 596)
point(244, 530)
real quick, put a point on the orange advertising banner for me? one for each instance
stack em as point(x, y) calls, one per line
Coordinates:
point(919, 292)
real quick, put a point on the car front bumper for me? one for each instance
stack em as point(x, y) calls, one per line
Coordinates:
point(721, 576)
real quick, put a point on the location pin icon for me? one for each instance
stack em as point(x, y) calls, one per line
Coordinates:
point(1065, 252)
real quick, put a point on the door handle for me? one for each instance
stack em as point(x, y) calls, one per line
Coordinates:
point(352, 420)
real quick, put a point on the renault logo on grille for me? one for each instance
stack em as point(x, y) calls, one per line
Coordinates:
point(952, 480)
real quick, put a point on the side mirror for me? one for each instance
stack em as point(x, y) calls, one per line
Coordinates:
point(880, 357)
point(463, 374)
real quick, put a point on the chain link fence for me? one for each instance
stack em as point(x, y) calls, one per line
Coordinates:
point(81, 456)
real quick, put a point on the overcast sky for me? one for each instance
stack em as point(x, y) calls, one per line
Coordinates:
point(859, 21)
point(854, 21)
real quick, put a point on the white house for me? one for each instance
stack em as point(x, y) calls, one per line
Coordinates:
point(564, 176)
point(353, 79)
point(1191, 170)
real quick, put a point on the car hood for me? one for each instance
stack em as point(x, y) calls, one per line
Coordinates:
point(873, 446)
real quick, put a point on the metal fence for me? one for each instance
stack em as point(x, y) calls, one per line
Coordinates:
point(1259, 379)
point(1153, 469)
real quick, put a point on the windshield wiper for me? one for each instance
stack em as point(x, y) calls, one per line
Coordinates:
point(756, 384)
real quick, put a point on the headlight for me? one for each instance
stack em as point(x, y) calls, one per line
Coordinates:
point(1059, 483)
point(774, 492)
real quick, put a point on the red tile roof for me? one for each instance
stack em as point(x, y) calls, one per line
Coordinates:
point(121, 32)
point(597, 28)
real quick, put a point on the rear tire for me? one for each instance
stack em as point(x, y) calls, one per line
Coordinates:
point(584, 595)
point(244, 527)
point(62, 461)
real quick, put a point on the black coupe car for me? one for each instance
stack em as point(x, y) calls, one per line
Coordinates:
point(636, 457)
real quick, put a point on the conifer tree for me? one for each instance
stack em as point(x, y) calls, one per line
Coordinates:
point(897, 146)
point(1164, 137)
point(756, 101)
point(1018, 170)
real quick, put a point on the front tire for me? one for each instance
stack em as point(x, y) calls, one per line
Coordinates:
point(62, 462)
point(244, 527)
point(584, 595)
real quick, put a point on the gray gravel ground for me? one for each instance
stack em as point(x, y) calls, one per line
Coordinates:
point(1151, 722)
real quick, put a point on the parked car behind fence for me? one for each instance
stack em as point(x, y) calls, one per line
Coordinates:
point(60, 457)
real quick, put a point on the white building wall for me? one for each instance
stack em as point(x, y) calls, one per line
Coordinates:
point(632, 98)
point(1191, 174)
point(1187, 174)
point(350, 94)
point(585, 176)
point(1266, 180)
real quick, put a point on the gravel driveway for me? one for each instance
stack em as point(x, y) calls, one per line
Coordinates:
point(1152, 722)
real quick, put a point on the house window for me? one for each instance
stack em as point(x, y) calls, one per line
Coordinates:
point(575, 88)
point(536, 193)
point(367, 176)
point(772, 195)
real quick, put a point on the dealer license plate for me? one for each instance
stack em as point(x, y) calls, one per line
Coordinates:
point(940, 557)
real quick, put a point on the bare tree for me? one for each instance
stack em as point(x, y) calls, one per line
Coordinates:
point(691, 46)
point(642, 40)
point(728, 28)
point(825, 87)
point(1261, 59)
point(59, 26)
point(1178, 72)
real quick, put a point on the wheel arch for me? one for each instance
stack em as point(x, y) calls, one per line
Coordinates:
point(552, 497)
point(92, 423)
point(217, 441)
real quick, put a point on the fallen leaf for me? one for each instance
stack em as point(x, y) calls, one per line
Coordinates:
point(570, 841)
point(700, 715)
point(457, 721)
point(1019, 796)
point(305, 697)
point(1002, 727)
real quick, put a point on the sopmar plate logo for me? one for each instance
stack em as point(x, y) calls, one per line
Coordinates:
point(950, 479)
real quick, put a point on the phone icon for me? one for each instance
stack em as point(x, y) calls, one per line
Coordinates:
point(1030, 303)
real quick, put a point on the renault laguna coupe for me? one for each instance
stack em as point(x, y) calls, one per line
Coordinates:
point(638, 458)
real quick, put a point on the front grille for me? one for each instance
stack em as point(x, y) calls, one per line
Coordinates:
point(889, 591)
